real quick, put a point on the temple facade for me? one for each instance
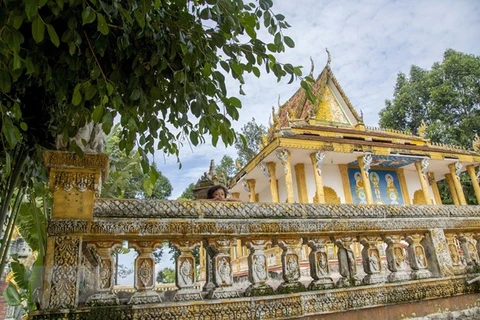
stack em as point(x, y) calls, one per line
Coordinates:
point(323, 153)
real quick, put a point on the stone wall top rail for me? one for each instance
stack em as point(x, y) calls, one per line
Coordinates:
point(134, 208)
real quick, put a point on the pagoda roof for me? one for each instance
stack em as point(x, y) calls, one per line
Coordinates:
point(329, 96)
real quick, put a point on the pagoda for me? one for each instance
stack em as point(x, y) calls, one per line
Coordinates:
point(322, 152)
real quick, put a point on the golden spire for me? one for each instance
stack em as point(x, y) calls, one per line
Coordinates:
point(476, 143)
point(421, 129)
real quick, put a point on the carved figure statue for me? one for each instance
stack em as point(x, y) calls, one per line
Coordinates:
point(91, 134)
point(186, 273)
point(322, 266)
point(420, 257)
point(259, 268)
point(373, 260)
point(224, 271)
point(399, 258)
point(292, 271)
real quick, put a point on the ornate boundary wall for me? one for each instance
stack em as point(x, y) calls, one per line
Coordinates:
point(279, 306)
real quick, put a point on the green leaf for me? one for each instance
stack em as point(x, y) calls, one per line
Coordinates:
point(53, 35)
point(102, 24)
point(235, 102)
point(97, 113)
point(8, 164)
point(88, 15)
point(31, 8)
point(10, 132)
point(20, 274)
point(272, 47)
point(107, 122)
point(23, 126)
point(194, 137)
point(5, 81)
point(289, 42)
point(140, 17)
point(17, 61)
point(38, 30)
point(77, 96)
point(11, 295)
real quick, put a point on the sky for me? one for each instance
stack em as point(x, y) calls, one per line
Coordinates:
point(370, 42)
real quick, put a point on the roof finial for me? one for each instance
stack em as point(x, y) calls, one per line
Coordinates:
point(312, 68)
point(329, 57)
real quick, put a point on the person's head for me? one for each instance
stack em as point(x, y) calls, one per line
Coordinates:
point(217, 192)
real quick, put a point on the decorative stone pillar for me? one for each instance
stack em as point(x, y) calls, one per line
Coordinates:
point(436, 192)
point(251, 187)
point(474, 178)
point(417, 257)
point(438, 256)
point(455, 172)
point(272, 173)
point(470, 252)
point(222, 269)
point(457, 265)
point(257, 268)
point(346, 262)
point(395, 259)
point(290, 265)
point(319, 266)
point(284, 156)
point(75, 182)
point(422, 167)
point(317, 162)
point(62, 272)
point(185, 276)
point(372, 263)
point(301, 183)
point(209, 253)
point(364, 164)
point(105, 278)
point(144, 273)
point(451, 187)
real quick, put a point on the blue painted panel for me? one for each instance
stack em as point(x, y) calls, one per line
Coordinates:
point(384, 184)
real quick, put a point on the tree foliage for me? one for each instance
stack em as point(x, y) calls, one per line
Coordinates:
point(166, 275)
point(249, 145)
point(126, 178)
point(187, 194)
point(153, 65)
point(447, 99)
point(226, 169)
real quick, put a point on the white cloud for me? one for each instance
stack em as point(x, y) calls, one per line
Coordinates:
point(370, 42)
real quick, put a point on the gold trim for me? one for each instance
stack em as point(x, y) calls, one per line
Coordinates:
point(251, 186)
point(301, 183)
point(423, 183)
point(457, 184)
point(346, 183)
point(473, 177)
point(436, 192)
point(403, 186)
point(272, 173)
point(451, 187)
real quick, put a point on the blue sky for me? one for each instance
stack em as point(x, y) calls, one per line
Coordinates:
point(370, 42)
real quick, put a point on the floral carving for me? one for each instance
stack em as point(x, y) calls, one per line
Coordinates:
point(144, 272)
point(64, 272)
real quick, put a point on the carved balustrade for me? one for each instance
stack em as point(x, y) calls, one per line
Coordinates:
point(382, 255)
